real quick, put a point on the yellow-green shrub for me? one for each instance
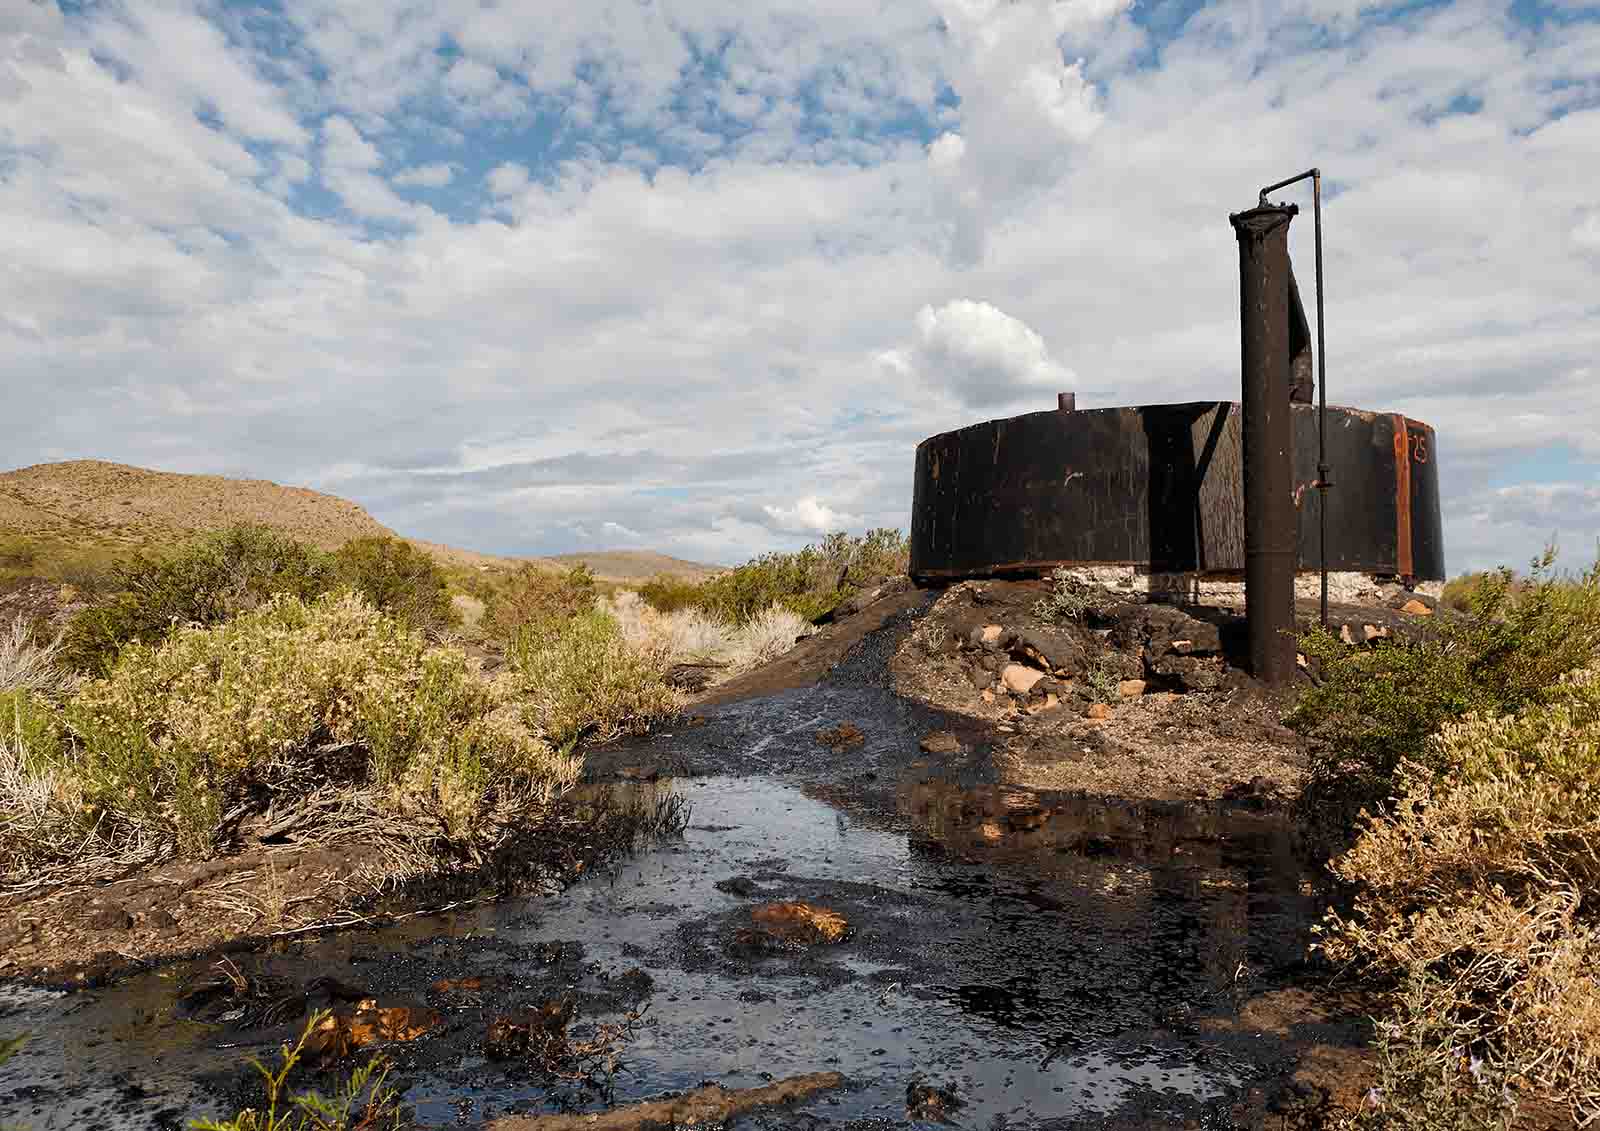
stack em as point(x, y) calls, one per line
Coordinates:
point(1481, 888)
point(179, 730)
point(537, 594)
point(399, 579)
point(579, 679)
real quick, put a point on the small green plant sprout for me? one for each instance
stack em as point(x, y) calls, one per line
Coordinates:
point(1068, 599)
point(1103, 679)
point(364, 1102)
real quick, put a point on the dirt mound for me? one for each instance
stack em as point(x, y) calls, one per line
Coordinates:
point(134, 505)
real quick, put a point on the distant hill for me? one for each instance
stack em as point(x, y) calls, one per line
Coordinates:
point(113, 503)
point(107, 510)
point(636, 565)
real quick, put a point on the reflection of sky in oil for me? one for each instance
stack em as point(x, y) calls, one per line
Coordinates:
point(1036, 972)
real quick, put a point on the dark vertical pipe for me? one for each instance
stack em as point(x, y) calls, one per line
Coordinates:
point(1269, 518)
point(1324, 480)
point(1067, 402)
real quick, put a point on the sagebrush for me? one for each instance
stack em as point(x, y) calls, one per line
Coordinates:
point(181, 732)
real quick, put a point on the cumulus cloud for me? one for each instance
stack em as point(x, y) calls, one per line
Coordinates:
point(982, 355)
point(809, 516)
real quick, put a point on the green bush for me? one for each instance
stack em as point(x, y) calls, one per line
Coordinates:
point(1376, 707)
point(212, 578)
point(1478, 891)
point(809, 582)
point(399, 579)
point(581, 680)
point(181, 731)
point(537, 595)
point(364, 1102)
point(668, 593)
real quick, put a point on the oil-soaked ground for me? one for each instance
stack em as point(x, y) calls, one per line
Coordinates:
point(1051, 961)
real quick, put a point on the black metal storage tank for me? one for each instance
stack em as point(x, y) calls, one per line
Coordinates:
point(1159, 487)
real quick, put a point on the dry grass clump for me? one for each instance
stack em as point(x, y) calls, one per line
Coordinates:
point(271, 708)
point(1478, 889)
point(27, 665)
point(692, 636)
point(578, 678)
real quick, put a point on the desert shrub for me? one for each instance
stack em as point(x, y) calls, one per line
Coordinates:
point(399, 579)
point(579, 679)
point(1478, 887)
point(1069, 597)
point(1377, 707)
point(809, 582)
point(212, 578)
point(535, 595)
point(767, 636)
point(667, 593)
point(1429, 1076)
point(27, 664)
point(180, 732)
point(364, 1102)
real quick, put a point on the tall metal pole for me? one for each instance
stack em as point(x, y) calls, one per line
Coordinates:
point(1269, 514)
point(1324, 480)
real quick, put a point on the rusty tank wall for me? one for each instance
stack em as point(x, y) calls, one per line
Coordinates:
point(1159, 487)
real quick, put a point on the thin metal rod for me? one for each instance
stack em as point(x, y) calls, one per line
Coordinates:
point(1323, 481)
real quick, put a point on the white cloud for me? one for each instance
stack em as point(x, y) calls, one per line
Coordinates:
point(425, 176)
point(982, 355)
point(507, 179)
point(809, 516)
point(671, 347)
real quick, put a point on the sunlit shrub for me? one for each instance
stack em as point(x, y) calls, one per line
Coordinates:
point(579, 679)
point(808, 582)
point(1479, 886)
point(1376, 707)
point(534, 595)
point(399, 579)
point(214, 577)
point(180, 730)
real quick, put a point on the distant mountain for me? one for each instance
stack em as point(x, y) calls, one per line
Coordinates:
point(113, 508)
point(637, 565)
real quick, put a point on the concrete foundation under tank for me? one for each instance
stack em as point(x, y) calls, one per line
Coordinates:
point(1158, 489)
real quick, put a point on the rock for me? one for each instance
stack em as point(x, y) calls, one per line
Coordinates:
point(111, 917)
point(692, 677)
point(738, 885)
point(1097, 711)
point(459, 985)
point(1416, 608)
point(929, 1103)
point(1131, 688)
point(160, 919)
point(941, 742)
point(987, 696)
point(982, 680)
point(1373, 632)
point(842, 736)
point(1345, 635)
point(1190, 673)
point(988, 830)
point(1300, 658)
point(1019, 680)
point(343, 1031)
point(1051, 702)
point(989, 635)
point(800, 923)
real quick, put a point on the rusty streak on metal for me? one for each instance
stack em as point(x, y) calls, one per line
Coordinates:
point(1402, 497)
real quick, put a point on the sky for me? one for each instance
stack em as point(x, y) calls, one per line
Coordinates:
point(698, 275)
